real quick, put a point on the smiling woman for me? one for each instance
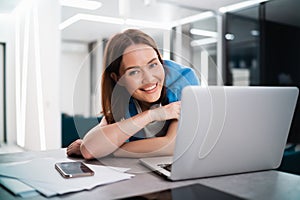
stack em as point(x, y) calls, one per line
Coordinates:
point(140, 99)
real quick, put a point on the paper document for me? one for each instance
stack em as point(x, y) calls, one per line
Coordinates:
point(41, 175)
point(18, 188)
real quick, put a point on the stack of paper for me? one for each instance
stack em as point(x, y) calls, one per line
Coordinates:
point(24, 178)
point(17, 187)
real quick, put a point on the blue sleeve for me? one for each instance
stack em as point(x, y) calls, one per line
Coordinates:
point(178, 77)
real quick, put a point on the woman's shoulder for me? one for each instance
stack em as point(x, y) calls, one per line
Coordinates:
point(177, 71)
point(175, 66)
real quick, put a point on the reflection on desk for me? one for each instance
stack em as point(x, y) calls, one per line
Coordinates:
point(190, 192)
point(260, 185)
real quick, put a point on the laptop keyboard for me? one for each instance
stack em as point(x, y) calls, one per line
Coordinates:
point(167, 167)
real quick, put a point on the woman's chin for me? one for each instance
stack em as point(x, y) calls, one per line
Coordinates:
point(147, 98)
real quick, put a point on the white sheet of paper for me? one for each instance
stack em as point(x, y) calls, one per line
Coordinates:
point(42, 175)
point(17, 187)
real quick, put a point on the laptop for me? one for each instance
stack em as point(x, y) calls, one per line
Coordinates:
point(228, 130)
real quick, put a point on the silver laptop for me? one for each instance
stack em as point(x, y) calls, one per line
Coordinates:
point(228, 130)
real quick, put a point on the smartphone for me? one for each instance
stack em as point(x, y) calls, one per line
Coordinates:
point(73, 169)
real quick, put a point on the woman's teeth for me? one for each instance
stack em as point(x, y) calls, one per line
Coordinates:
point(150, 88)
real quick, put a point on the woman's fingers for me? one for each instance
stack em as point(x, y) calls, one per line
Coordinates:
point(169, 111)
point(74, 148)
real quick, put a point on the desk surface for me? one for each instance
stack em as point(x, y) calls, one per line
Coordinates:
point(260, 185)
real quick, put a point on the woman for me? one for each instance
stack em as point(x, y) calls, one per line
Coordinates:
point(140, 100)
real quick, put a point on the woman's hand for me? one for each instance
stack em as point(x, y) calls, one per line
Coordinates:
point(169, 111)
point(74, 148)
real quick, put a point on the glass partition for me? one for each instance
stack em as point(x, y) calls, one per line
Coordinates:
point(281, 52)
point(242, 45)
point(262, 47)
point(204, 44)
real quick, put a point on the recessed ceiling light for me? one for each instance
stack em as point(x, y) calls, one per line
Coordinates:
point(238, 6)
point(147, 24)
point(88, 17)
point(112, 20)
point(205, 41)
point(254, 32)
point(193, 18)
point(229, 36)
point(201, 32)
point(84, 4)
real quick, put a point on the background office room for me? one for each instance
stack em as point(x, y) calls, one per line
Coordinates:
point(51, 55)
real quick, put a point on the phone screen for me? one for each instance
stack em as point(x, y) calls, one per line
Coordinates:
point(73, 169)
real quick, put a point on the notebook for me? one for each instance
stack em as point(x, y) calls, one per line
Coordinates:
point(228, 130)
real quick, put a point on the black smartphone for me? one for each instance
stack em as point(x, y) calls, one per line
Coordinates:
point(73, 169)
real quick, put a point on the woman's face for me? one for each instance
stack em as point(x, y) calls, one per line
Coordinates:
point(142, 73)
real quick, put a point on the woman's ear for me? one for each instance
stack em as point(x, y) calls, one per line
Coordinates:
point(117, 79)
point(114, 76)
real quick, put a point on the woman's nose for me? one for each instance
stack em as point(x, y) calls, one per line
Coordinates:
point(147, 76)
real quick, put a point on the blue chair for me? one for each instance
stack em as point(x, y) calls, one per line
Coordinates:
point(290, 161)
point(75, 127)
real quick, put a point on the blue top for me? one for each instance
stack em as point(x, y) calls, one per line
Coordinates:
point(177, 77)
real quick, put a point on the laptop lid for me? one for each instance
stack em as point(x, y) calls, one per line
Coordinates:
point(226, 130)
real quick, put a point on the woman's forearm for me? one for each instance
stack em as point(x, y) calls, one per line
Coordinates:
point(158, 146)
point(101, 141)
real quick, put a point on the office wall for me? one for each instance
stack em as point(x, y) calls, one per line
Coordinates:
point(7, 36)
point(81, 70)
point(33, 55)
point(75, 79)
point(96, 75)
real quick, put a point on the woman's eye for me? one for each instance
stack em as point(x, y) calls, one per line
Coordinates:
point(134, 72)
point(153, 65)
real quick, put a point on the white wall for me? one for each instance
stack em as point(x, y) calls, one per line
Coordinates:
point(81, 78)
point(75, 79)
point(7, 36)
point(97, 70)
point(33, 55)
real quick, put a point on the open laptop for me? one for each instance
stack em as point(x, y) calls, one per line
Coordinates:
point(228, 130)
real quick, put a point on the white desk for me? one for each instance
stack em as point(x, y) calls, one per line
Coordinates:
point(260, 185)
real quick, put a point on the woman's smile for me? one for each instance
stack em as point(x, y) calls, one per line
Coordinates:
point(143, 73)
point(150, 88)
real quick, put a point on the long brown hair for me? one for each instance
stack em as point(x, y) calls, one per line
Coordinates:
point(112, 61)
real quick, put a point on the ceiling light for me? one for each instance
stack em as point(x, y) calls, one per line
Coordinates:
point(103, 19)
point(195, 31)
point(239, 6)
point(112, 20)
point(68, 22)
point(229, 36)
point(89, 5)
point(193, 18)
point(254, 33)
point(88, 17)
point(147, 24)
point(203, 42)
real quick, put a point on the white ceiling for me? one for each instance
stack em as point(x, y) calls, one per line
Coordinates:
point(157, 11)
point(163, 11)
point(203, 4)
